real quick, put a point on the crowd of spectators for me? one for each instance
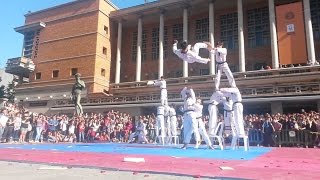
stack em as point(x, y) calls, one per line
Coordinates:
point(113, 126)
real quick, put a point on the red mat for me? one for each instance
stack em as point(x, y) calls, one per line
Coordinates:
point(280, 163)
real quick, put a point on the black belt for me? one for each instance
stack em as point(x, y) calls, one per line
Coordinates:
point(213, 103)
point(160, 114)
point(172, 115)
point(236, 102)
point(228, 110)
point(163, 88)
point(221, 62)
point(198, 117)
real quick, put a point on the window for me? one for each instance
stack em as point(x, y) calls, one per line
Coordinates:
point(104, 50)
point(234, 68)
point(155, 43)
point(315, 18)
point(204, 72)
point(74, 71)
point(28, 44)
point(134, 46)
point(143, 46)
point(38, 75)
point(106, 29)
point(177, 32)
point(202, 29)
point(258, 27)
point(229, 30)
point(55, 73)
point(103, 72)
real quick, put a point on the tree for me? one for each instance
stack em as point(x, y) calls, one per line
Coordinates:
point(2, 91)
point(10, 92)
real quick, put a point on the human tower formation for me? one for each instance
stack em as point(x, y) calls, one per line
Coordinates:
point(166, 123)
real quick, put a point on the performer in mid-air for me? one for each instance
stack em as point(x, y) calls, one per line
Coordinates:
point(189, 54)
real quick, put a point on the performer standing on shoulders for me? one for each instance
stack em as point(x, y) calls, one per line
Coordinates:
point(186, 54)
point(221, 62)
point(190, 123)
point(163, 86)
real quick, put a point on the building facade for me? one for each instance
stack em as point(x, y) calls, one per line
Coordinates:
point(117, 51)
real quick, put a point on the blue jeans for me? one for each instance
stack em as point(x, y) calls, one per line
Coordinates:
point(1, 132)
point(81, 136)
point(39, 130)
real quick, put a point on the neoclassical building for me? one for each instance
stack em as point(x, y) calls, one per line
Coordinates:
point(273, 47)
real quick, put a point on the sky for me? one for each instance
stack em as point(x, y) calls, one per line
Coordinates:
point(12, 15)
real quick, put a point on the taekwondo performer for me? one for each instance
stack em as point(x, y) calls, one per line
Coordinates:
point(140, 133)
point(222, 66)
point(172, 125)
point(215, 99)
point(190, 124)
point(186, 54)
point(160, 126)
point(235, 96)
point(163, 87)
point(228, 114)
point(202, 129)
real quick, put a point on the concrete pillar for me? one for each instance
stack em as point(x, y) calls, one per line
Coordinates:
point(276, 107)
point(309, 32)
point(273, 34)
point(161, 35)
point(211, 36)
point(139, 43)
point(118, 61)
point(242, 63)
point(185, 37)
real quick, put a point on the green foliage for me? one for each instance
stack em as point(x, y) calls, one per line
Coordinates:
point(2, 91)
point(10, 92)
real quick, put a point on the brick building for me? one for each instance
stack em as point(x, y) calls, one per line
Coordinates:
point(119, 50)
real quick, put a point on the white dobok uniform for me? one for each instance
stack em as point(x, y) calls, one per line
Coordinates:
point(163, 91)
point(173, 121)
point(202, 128)
point(191, 56)
point(235, 96)
point(160, 121)
point(190, 123)
point(222, 66)
point(215, 99)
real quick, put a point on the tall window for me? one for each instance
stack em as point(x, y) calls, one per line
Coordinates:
point(229, 30)
point(134, 46)
point(155, 43)
point(38, 76)
point(28, 44)
point(143, 46)
point(258, 27)
point(202, 29)
point(315, 17)
point(55, 73)
point(177, 32)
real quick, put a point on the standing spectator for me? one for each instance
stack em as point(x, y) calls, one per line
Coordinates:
point(81, 130)
point(3, 120)
point(24, 129)
point(268, 130)
point(17, 126)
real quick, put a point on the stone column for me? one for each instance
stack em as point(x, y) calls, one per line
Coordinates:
point(118, 62)
point(161, 34)
point(273, 34)
point(242, 63)
point(139, 43)
point(309, 32)
point(211, 36)
point(185, 37)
